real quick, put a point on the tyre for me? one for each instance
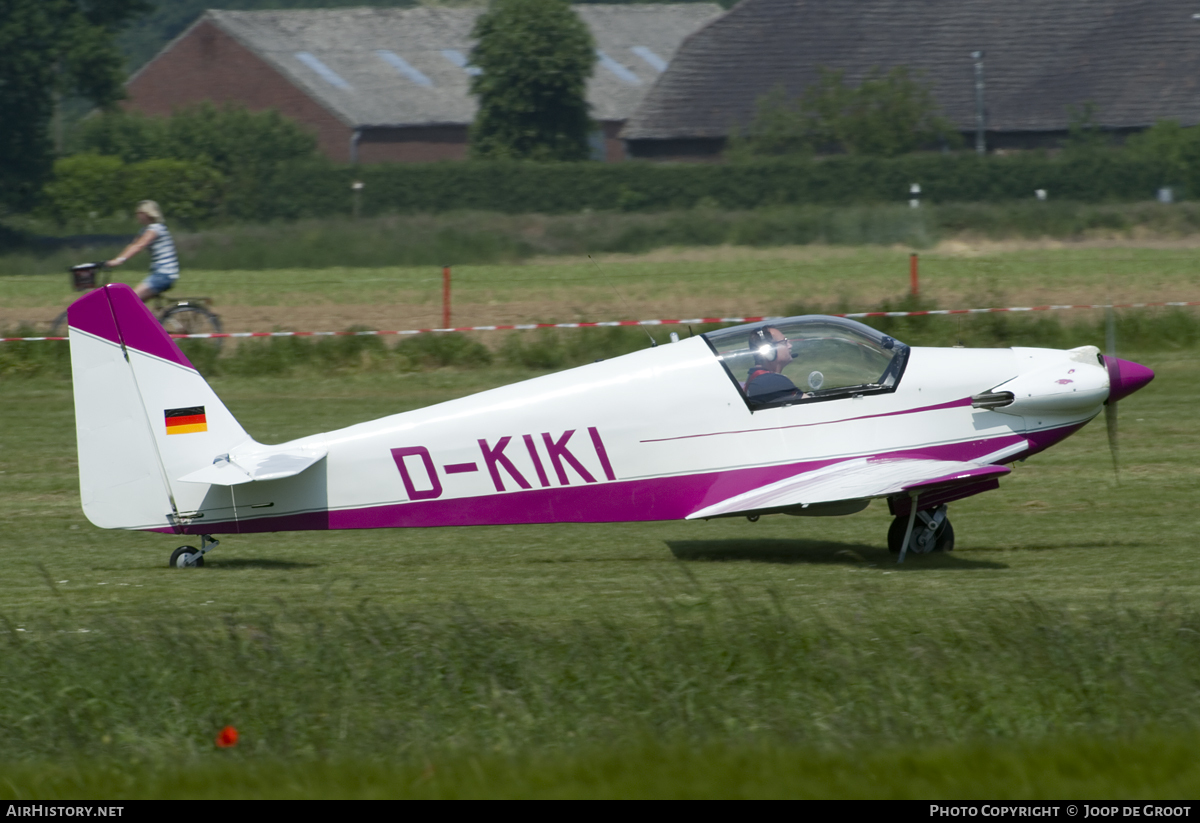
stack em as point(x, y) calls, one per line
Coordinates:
point(180, 555)
point(187, 318)
point(943, 541)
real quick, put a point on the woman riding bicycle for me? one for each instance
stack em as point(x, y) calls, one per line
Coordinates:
point(164, 264)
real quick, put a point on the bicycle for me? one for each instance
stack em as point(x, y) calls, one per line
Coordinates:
point(178, 315)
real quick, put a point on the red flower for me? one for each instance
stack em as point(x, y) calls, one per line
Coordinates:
point(227, 737)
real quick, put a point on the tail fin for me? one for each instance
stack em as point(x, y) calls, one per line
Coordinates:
point(144, 417)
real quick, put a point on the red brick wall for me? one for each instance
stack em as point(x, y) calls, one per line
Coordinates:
point(208, 64)
point(426, 144)
point(614, 147)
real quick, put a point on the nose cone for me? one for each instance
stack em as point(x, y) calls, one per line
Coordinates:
point(1125, 377)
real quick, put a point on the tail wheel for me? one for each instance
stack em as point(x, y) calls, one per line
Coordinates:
point(181, 558)
point(943, 536)
point(191, 319)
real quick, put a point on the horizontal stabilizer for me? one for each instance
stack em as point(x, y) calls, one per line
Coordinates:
point(260, 464)
point(859, 479)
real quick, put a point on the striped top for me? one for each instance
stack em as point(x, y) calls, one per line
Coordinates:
point(162, 252)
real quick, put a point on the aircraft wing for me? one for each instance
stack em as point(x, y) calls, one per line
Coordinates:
point(857, 479)
point(264, 463)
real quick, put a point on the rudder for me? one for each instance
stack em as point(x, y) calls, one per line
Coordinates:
point(144, 416)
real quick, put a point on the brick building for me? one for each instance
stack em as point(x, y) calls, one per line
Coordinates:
point(392, 84)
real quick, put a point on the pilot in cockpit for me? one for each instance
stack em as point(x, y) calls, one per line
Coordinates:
point(772, 352)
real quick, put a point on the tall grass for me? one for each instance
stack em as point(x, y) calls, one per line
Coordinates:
point(485, 237)
point(1143, 330)
point(1161, 329)
point(333, 682)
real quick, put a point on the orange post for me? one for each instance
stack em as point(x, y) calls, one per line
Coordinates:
point(445, 297)
point(912, 275)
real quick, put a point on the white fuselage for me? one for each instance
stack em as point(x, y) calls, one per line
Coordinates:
point(657, 434)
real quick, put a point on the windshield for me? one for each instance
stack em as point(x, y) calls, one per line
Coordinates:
point(809, 358)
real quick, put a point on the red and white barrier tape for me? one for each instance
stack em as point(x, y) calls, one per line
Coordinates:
point(692, 321)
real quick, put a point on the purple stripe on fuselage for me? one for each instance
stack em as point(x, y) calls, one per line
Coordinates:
point(1039, 441)
point(659, 498)
point(953, 404)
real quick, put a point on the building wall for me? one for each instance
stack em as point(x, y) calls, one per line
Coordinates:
point(208, 64)
point(414, 144)
point(686, 149)
point(614, 146)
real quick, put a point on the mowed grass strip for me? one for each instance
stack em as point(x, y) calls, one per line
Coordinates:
point(710, 666)
point(1138, 767)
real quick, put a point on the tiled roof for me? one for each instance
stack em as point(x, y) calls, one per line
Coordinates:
point(1138, 61)
point(400, 67)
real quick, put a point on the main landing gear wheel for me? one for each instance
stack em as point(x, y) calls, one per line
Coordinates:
point(931, 533)
point(185, 557)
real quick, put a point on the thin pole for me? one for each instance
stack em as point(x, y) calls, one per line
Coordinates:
point(913, 282)
point(980, 110)
point(445, 297)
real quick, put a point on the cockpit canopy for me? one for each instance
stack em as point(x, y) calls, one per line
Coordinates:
point(807, 359)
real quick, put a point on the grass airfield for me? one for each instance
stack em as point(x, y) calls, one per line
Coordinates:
point(667, 283)
point(1054, 653)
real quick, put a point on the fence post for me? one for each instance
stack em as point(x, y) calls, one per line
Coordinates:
point(445, 297)
point(914, 285)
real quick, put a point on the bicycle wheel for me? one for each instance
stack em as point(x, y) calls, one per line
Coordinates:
point(189, 319)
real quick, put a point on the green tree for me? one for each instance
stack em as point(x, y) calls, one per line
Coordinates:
point(887, 115)
point(51, 48)
point(249, 150)
point(90, 185)
point(535, 57)
point(1084, 135)
point(1176, 148)
point(779, 129)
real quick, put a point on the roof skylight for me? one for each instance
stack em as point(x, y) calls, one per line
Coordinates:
point(656, 62)
point(404, 67)
point(327, 74)
point(616, 68)
point(459, 59)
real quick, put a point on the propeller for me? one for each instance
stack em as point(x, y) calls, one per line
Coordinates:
point(1114, 380)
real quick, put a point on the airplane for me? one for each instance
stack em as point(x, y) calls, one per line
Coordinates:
point(810, 416)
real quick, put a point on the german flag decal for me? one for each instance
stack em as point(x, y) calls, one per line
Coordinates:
point(186, 421)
